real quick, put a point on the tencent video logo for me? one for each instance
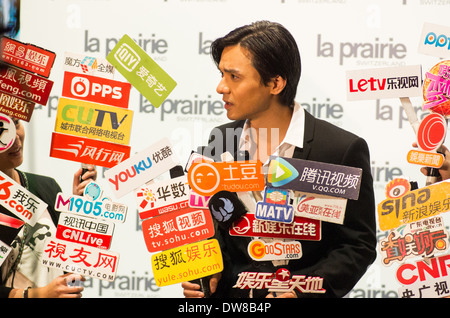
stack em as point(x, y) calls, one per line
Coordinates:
point(281, 172)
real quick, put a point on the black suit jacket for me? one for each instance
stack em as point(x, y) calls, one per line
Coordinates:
point(345, 251)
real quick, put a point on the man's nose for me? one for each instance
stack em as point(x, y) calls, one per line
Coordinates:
point(222, 88)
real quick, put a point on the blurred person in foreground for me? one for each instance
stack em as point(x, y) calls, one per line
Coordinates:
point(22, 275)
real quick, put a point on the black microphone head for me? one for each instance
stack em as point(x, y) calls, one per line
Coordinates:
point(176, 172)
point(225, 207)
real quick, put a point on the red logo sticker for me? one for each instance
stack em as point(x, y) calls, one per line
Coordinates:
point(174, 229)
point(89, 151)
point(25, 85)
point(300, 229)
point(87, 231)
point(96, 89)
point(26, 56)
point(431, 132)
point(16, 107)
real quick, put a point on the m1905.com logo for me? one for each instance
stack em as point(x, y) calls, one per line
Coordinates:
point(96, 89)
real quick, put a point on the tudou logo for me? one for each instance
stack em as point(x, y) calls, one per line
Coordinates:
point(130, 172)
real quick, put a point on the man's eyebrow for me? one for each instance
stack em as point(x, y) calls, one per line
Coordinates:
point(231, 70)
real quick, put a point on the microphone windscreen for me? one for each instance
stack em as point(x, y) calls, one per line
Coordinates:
point(176, 172)
point(226, 208)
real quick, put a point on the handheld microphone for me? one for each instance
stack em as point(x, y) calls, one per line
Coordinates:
point(226, 208)
point(176, 172)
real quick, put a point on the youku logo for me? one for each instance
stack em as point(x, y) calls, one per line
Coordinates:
point(377, 49)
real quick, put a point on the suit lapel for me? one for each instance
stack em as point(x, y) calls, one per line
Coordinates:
point(303, 153)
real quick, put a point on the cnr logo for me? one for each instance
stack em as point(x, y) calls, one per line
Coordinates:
point(438, 41)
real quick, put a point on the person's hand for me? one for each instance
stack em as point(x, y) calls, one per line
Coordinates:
point(81, 181)
point(291, 294)
point(444, 171)
point(191, 290)
point(58, 288)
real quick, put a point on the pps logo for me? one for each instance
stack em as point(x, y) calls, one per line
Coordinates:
point(127, 57)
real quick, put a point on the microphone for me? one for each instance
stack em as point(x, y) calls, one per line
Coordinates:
point(176, 172)
point(226, 208)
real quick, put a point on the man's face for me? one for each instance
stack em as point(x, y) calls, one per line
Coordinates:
point(13, 157)
point(244, 94)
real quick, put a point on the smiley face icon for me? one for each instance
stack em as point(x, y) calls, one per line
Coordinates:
point(7, 132)
point(204, 178)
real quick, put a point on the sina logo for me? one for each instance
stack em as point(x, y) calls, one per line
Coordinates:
point(224, 210)
point(281, 172)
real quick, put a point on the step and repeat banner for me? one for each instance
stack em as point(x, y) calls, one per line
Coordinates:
point(354, 55)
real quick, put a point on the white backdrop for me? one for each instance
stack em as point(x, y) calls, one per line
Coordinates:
point(325, 30)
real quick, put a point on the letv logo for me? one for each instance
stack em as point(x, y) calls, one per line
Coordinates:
point(281, 172)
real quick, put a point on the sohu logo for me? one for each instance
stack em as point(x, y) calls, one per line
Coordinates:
point(281, 172)
point(127, 57)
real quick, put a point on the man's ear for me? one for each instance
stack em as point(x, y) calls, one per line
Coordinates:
point(278, 84)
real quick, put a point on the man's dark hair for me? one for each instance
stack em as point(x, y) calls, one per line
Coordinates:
point(274, 53)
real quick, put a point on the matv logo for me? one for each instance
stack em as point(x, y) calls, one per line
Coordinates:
point(96, 89)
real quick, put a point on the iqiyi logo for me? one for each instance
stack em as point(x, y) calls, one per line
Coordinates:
point(281, 172)
point(127, 57)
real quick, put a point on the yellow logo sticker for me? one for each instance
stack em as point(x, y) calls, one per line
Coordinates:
point(414, 205)
point(187, 262)
point(95, 121)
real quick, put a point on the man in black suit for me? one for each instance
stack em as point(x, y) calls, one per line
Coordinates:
point(260, 67)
